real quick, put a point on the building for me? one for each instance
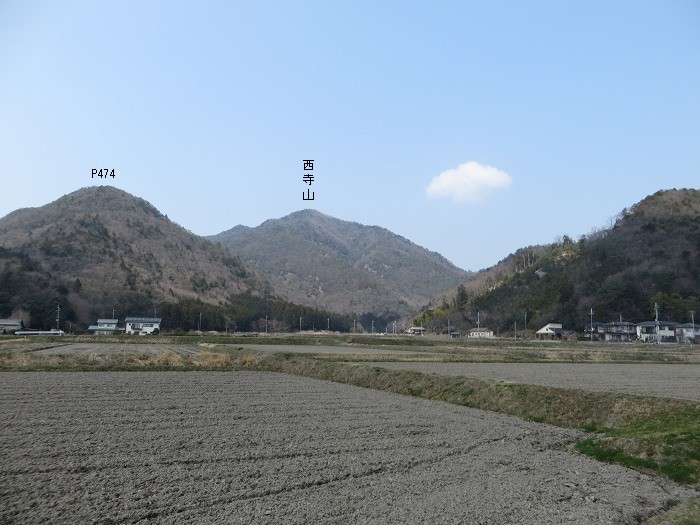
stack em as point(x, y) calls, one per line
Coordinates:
point(415, 330)
point(686, 333)
point(105, 327)
point(619, 332)
point(478, 333)
point(555, 332)
point(595, 331)
point(142, 325)
point(8, 326)
point(657, 331)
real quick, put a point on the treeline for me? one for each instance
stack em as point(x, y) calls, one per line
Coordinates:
point(248, 313)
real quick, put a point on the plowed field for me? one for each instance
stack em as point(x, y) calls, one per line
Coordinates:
point(247, 447)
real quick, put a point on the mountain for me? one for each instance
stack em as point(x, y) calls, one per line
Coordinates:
point(321, 261)
point(99, 248)
point(650, 255)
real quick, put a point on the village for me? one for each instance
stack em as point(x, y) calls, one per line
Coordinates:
point(655, 331)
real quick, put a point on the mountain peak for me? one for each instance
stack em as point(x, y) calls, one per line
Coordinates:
point(100, 246)
point(322, 261)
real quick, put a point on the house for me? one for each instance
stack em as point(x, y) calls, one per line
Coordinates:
point(479, 333)
point(595, 331)
point(619, 332)
point(685, 333)
point(142, 325)
point(8, 326)
point(657, 331)
point(415, 330)
point(554, 331)
point(105, 327)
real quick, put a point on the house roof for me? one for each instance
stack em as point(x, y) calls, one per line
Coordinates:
point(142, 319)
point(112, 321)
point(669, 324)
point(10, 321)
point(549, 328)
point(480, 330)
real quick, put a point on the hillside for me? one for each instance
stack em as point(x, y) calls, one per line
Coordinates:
point(344, 266)
point(650, 255)
point(101, 248)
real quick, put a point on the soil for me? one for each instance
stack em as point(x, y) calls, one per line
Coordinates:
point(257, 447)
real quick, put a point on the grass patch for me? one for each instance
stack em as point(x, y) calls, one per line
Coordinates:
point(668, 441)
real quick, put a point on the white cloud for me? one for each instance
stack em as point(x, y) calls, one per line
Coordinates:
point(469, 182)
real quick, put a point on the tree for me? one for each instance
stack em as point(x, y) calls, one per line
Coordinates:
point(461, 298)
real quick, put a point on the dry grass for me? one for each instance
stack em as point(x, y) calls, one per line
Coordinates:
point(687, 513)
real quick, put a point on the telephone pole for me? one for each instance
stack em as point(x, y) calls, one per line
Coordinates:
point(478, 325)
point(656, 309)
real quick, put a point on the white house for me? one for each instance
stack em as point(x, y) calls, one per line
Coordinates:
point(548, 331)
point(142, 325)
point(478, 333)
point(105, 327)
point(415, 330)
point(657, 331)
point(552, 331)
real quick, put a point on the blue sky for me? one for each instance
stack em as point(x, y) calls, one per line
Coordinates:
point(471, 128)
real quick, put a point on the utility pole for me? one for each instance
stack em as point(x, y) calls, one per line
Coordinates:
point(448, 328)
point(200, 323)
point(478, 325)
point(112, 312)
point(372, 325)
point(656, 309)
point(300, 325)
point(525, 319)
point(328, 328)
point(58, 315)
point(515, 331)
point(591, 332)
point(692, 316)
point(265, 324)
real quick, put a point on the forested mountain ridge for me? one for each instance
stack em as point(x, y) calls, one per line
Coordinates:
point(649, 255)
point(100, 248)
point(343, 266)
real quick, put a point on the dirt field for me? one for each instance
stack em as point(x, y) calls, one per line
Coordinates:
point(677, 381)
point(86, 349)
point(247, 447)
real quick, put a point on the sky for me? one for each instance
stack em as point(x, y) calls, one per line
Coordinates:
point(472, 128)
